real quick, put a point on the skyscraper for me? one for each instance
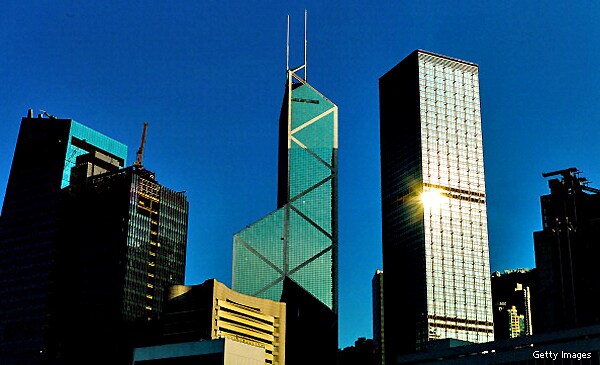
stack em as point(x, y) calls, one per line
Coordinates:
point(378, 317)
point(146, 225)
point(566, 251)
point(434, 221)
point(30, 256)
point(291, 254)
point(87, 248)
point(127, 246)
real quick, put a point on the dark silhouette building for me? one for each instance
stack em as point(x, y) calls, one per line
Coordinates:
point(87, 248)
point(575, 346)
point(31, 292)
point(512, 303)
point(566, 251)
point(378, 317)
point(128, 248)
point(434, 217)
point(362, 353)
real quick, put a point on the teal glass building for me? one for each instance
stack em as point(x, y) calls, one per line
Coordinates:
point(78, 142)
point(291, 254)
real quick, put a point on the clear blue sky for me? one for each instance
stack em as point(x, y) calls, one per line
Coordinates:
point(209, 78)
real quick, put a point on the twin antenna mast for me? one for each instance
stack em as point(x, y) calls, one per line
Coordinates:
point(287, 56)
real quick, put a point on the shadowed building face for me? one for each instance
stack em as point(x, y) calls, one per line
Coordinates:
point(46, 151)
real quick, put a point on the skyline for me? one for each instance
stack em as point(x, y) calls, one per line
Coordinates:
point(209, 80)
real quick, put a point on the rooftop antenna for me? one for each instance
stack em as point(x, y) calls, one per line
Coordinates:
point(305, 47)
point(140, 151)
point(287, 45)
point(48, 114)
point(287, 56)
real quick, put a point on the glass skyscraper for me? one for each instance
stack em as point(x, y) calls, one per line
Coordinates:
point(146, 223)
point(434, 221)
point(128, 247)
point(291, 254)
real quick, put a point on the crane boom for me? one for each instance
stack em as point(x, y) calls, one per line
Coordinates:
point(140, 151)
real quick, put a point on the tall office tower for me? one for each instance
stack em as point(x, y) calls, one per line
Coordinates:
point(30, 255)
point(435, 242)
point(128, 246)
point(291, 254)
point(511, 298)
point(149, 246)
point(378, 317)
point(566, 251)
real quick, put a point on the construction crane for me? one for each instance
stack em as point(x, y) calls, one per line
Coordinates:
point(140, 151)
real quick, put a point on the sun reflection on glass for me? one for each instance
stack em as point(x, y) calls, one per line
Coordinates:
point(432, 198)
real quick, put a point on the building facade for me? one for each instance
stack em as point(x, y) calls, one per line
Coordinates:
point(86, 247)
point(291, 254)
point(378, 317)
point(565, 252)
point(211, 311)
point(30, 291)
point(128, 248)
point(435, 240)
point(152, 238)
point(512, 302)
point(222, 351)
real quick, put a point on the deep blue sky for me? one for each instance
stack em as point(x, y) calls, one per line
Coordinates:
point(209, 78)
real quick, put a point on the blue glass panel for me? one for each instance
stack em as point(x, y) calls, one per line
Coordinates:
point(92, 137)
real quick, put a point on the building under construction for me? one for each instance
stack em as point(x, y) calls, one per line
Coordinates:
point(566, 254)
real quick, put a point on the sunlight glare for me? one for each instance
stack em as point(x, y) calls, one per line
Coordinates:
point(431, 198)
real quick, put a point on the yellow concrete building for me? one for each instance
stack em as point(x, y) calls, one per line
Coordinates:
point(232, 315)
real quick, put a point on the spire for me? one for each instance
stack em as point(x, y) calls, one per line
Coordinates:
point(287, 56)
point(305, 46)
point(287, 45)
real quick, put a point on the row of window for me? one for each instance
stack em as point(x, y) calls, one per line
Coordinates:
point(461, 71)
point(441, 79)
point(462, 101)
point(469, 107)
point(458, 166)
point(449, 80)
point(433, 121)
